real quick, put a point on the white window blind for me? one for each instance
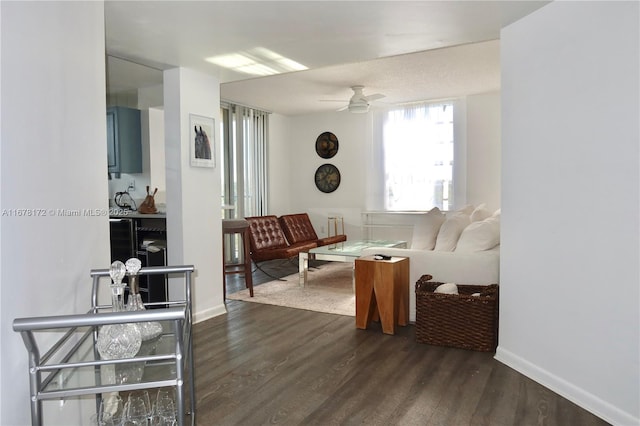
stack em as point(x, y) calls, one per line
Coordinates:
point(244, 177)
point(418, 157)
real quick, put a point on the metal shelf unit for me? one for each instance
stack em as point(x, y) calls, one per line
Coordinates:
point(71, 366)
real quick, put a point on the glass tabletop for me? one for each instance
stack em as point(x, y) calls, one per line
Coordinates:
point(354, 248)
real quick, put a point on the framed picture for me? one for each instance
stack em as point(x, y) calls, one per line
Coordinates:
point(202, 141)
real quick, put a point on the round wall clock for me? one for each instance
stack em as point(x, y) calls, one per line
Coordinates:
point(327, 178)
point(327, 145)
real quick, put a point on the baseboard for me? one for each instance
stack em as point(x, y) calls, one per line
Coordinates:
point(577, 395)
point(209, 313)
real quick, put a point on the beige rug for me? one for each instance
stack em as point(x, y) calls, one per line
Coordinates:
point(329, 289)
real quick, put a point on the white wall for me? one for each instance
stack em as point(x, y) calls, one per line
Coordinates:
point(354, 138)
point(483, 150)
point(53, 151)
point(2, 322)
point(194, 223)
point(157, 160)
point(280, 174)
point(293, 162)
point(569, 308)
point(150, 102)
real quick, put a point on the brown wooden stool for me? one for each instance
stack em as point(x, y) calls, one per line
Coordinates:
point(230, 227)
point(382, 292)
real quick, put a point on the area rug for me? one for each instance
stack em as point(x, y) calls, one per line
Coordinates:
point(329, 289)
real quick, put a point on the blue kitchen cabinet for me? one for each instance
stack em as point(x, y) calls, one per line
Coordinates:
point(124, 140)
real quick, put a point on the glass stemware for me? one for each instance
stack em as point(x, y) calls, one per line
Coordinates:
point(111, 410)
point(166, 392)
point(136, 411)
point(164, 409)
point(147, 402)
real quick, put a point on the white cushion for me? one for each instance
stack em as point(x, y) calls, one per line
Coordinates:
point(450, 231)
point(426, 229)
point(479, 236)
point(468, 209)
point(447, 288)
point(480, 213)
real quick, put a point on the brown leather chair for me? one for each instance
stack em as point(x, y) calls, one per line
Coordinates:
point(298, 229)
point(268, 241)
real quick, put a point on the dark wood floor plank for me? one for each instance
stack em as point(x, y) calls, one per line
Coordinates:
point(262, 364)
point(499, 401)
point(307, 373)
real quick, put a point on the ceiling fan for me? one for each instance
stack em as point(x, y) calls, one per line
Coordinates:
point(359, 103)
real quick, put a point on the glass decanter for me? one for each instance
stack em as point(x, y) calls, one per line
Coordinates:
point(117, 341)
point(151, 329)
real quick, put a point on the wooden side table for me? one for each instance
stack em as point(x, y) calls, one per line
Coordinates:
point(382, 289)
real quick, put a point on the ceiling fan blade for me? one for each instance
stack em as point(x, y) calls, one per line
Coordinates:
point(333, 100)
point(343, 108)
point(375, 96)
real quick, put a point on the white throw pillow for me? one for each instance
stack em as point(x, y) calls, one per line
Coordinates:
point(426, 229)
point(479, 236)
point(450, 231)
point(480, 213)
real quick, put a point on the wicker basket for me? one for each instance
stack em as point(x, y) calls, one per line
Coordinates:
point(457, 320)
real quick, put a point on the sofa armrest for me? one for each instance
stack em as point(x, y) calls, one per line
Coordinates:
point(482, 267)
point(334, 239)
point(478, 268)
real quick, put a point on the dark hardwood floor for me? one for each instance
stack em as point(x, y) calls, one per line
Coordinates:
point(262, 364)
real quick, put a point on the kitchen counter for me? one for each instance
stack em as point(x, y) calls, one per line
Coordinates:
point(124, 214)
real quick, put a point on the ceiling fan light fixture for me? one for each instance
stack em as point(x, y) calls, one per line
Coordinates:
point(359, 103)
point(359, 108)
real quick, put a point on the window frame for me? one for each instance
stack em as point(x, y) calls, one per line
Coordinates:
point(375, 190)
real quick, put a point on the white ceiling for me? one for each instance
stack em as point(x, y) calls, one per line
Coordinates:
point(401, 49)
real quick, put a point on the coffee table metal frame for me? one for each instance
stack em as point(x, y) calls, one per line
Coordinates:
point(347, 251)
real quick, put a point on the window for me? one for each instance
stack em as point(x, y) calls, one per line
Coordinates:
point(244, 172)
point(418, 157)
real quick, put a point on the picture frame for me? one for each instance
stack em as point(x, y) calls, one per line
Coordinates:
point(202, 141)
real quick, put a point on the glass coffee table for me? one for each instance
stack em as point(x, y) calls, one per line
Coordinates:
point(347, 251)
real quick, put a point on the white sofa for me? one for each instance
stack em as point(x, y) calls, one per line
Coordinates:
point(462, 248)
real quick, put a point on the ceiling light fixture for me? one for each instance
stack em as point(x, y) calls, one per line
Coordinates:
point(257, 61)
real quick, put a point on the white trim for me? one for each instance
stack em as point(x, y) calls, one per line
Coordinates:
point(568, 390)
point(209, 313)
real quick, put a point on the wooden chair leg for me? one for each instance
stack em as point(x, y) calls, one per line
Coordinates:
point(224, 272)
point(248, 273)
